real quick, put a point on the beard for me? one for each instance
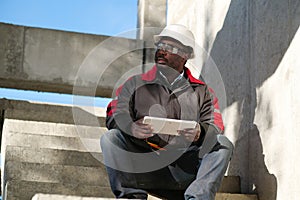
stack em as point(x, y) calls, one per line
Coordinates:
point(168, 64)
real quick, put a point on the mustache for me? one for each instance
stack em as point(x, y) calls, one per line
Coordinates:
point(162, 57)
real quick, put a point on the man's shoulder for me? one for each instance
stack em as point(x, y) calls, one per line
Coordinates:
point(194, 80)
point(146, 76)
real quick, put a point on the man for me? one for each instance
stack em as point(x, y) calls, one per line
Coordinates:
point(139, 160)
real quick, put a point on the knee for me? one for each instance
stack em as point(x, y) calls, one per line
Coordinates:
point(110, 137)
point(226, 144)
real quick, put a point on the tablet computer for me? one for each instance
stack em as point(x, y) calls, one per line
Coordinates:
point(168, 126)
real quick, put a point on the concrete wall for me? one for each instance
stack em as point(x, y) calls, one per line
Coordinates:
point(152, 16)
point(254, 45)
point(56, 61)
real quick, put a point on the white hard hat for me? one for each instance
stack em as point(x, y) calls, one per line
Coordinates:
point(179, 33)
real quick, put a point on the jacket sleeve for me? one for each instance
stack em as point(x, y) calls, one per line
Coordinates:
point(210, 116)
point(119, 110)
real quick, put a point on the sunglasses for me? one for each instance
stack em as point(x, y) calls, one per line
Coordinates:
point(171, 49)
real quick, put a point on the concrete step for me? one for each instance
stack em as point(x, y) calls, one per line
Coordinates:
point(230, 184)
point(51, 135)
point(25, 190)
point(50, 128)
point(65, 197)
point(53, 156)
point(55, 173)
point(219, 196)
point(51, 142)
point(228, 196)
point(34, 160)
point(76, 174)
point(28, 111)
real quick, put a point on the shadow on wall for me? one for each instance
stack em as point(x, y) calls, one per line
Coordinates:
point(247, 51)
point(262, 182)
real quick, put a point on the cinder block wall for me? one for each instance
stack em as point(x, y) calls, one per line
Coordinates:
point(254, 45)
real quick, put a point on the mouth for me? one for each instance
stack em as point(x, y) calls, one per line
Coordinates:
point(161, 61)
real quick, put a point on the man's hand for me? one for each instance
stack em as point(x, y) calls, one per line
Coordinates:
point(191, 134)
point(140, 130)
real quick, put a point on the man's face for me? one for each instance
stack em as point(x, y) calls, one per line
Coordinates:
point(171, 53)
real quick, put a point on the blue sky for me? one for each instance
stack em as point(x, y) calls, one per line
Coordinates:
point(102, 17)
point(105, 17)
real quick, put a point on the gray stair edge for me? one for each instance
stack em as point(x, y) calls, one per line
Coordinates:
point(230, 196)
point(25, 190)
point(58, 129)
point(53, 156)
point(25, 110)
point(219, 196)
point(65, 197)
point(64, 174)
point(96, 176)
point(52, 142)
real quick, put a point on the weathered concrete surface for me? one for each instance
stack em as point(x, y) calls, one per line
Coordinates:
point(51, 142)
point(51, 173)
point(219, 196)
point(53, 153)
point(152, 17)
point(57, 61)
point(254, 45)
point(275, 137)
point(25, 190)
point(53, 156)
point(64, 197)
point(227, 196)
point(151, 13)
point(53, 129)
point(65, 114)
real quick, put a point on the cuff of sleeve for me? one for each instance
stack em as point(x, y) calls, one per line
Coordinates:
point(203, 129)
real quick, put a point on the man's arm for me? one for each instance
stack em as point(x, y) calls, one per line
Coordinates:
point(118, 113)
point(211, 122)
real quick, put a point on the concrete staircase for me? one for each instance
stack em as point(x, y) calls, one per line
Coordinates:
point(61, 160)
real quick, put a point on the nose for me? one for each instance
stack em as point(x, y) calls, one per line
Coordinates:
point(162, 52)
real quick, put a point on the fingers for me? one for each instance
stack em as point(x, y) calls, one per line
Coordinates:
point(140, 130)
point(191, 134)
point(188, 135)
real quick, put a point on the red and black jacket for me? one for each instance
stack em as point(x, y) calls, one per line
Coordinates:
point(149, 94)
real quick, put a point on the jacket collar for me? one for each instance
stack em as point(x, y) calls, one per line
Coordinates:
point(151, 75)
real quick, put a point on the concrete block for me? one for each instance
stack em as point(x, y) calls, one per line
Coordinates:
point(53, 156)
point(230, 184)
point(49, 173)
point(219, 196)
point(11, 50)
point(29, 111)
point(65, 197)
point(228, 196)
point(31, 52)
point(25, 190)
point(52, 142)
point(150, 24)
point(52, 129)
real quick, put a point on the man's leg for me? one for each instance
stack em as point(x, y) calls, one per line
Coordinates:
point(114, 147)
point(211, 172)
